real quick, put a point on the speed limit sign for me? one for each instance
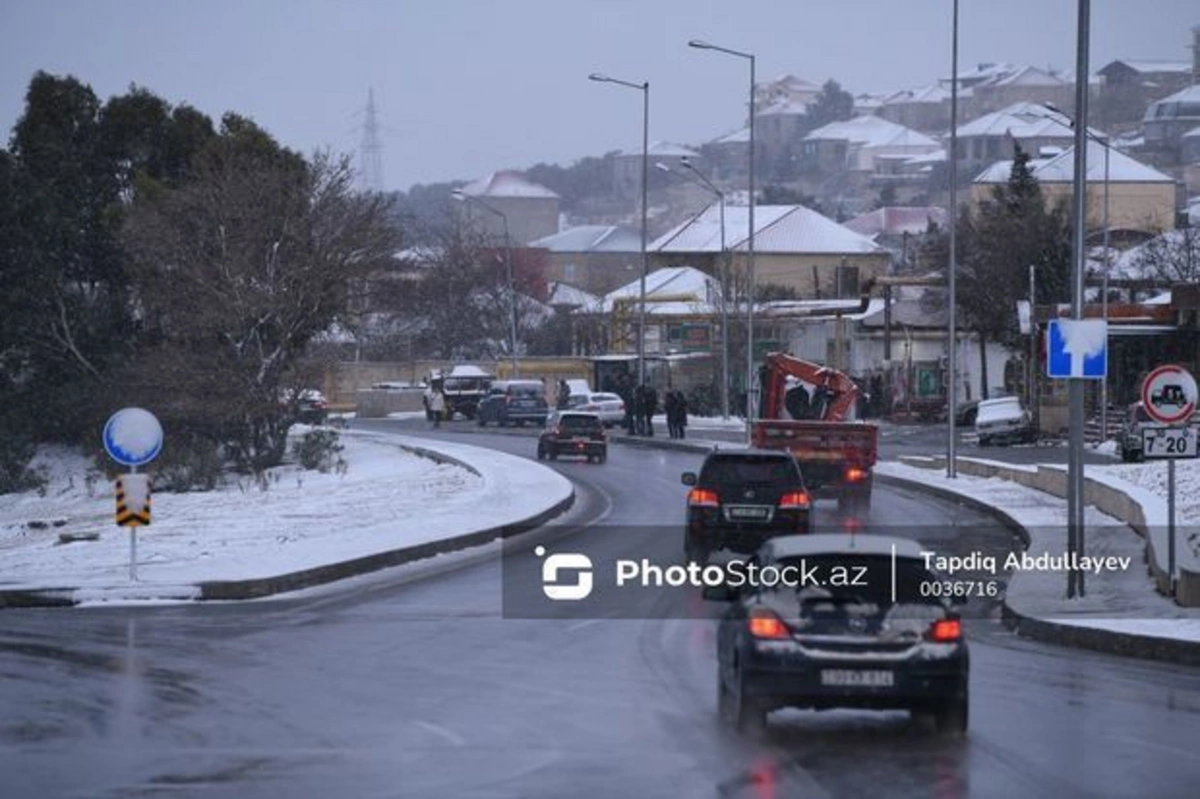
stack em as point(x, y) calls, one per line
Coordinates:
point(1169, 442)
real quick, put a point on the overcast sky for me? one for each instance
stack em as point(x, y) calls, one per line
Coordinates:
point(466, 87)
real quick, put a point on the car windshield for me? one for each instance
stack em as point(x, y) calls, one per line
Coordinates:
point(297, 300)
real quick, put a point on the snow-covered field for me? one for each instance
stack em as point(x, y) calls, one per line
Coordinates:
point(387, 498)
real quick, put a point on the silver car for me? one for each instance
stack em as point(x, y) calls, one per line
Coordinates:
point(1003, 420)
point(609, 407)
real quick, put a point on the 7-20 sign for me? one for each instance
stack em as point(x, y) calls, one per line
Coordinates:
point(1169, 442)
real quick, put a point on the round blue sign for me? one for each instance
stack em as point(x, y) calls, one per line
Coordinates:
point(133, 437)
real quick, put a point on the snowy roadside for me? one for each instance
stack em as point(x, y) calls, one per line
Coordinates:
point(388, 498)
point(1121, 599)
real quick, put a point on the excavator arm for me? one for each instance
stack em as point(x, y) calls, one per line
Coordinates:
point(832, 399)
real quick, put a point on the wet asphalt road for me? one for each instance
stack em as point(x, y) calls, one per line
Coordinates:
point(419, 688)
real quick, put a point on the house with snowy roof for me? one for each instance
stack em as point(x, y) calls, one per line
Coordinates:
point(990, 138)
point(594, 258)
point(1141, 200)
point(1021, 84)
point(863, 144)
point(526, 210)
point(926, 109)
point(794, 246)
point(1168, 120)
point(627, 166)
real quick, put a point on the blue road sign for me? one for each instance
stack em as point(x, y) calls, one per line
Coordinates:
point(133, 437)
point(1077, 348)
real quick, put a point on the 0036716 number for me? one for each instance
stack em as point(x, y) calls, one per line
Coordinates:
point(960, 588)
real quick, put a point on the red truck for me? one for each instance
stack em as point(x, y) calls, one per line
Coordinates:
point(811, 415)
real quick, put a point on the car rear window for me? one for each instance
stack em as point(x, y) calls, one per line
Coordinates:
point(867, 579)
point(749, 469)
point(578, 422)
point(526, 390)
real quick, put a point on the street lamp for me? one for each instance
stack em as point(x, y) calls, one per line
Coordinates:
point(1107, 263)
point(698, 178)
point(751, 389)
point(462, 196)
point(644, 88)
point(951, 285)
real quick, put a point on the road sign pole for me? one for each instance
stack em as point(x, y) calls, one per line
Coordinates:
point(133, 544)
point(1171, 525)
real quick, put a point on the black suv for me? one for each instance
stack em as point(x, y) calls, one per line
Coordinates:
point(513, 402)
point(844, 621)
point(741, 498)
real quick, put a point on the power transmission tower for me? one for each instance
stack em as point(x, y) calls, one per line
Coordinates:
point(370, 152)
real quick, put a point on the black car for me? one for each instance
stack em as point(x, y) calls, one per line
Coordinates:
point(513, 402)
point(741, 498)
point(573, 433)
point(845, 629)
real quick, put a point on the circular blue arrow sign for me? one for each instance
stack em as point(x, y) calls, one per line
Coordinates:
point(133, 437)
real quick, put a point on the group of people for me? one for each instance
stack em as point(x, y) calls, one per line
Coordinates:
point(642, 403)
point(675, 405)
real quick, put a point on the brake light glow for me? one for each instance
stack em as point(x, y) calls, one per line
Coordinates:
point(794, 499)
point(856, 475)
point(763, 623)
point(945, 630)
point(703, 498)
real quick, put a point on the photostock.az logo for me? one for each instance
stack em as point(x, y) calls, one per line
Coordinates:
point(575, 562)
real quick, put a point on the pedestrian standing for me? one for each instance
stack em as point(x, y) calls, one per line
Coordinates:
point(681, 411)
point(636, 427)
point(437, 406)
point(649, 408)
point(669, 407)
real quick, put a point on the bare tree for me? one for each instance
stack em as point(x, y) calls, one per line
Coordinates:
point(1172, 257)
point(237, 270)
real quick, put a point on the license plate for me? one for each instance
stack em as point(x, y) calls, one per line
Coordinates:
point(747, 513)
point(856, 678)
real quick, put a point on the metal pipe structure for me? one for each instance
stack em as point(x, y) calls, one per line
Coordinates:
point(698, 178)
point(1075, 385)
point(751, 383)
point(951, 287)
point(462, 196)
point(644, 88)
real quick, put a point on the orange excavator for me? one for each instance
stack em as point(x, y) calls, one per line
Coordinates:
point(809, 409)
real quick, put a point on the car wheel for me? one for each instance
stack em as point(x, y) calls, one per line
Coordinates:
point(951, 717)
point(744, 711)
point(694, 551)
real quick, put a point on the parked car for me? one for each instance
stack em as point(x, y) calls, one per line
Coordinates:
point(885, 639)
point(573, 433)
point(513, 402)
point(307, 406)
point(1003, 421)
point(609, 407)
point(1129, 437)
point(741, 498)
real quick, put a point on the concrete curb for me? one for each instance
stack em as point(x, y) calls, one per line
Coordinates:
point(1144, 647)
point(257, 588)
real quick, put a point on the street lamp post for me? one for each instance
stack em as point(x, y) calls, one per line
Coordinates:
point(462, 196)
point(951, 285)
point(702, 181)
point(644, 88)
point(751, 389)
point(1107, 262)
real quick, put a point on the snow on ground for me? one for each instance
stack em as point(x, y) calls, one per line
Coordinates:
point(388, 498)
point(1123, 598)
point(1152, 476)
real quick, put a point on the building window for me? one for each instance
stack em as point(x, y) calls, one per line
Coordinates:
point(847, 281)
point(569, 272)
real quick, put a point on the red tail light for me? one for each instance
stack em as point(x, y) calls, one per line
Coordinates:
point(856, 475)
point(763, 623)
point(945, 630)
point(795, 499)
point(703, 498)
